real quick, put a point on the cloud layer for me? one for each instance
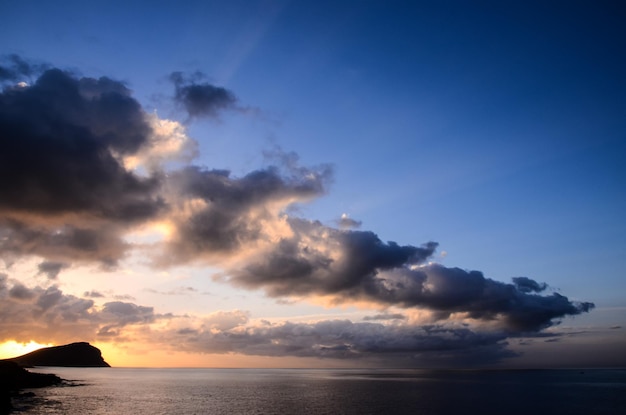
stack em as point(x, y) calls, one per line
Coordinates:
point(82, 166)
point(49, 314)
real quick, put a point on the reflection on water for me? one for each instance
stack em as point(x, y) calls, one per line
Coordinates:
point(330, 391)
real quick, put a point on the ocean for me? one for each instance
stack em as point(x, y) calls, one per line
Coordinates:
point(329, 391)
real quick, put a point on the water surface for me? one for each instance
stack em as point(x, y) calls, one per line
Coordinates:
point(329, 391)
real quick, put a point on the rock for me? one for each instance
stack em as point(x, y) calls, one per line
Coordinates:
point(5, 401)
point(70, 355)
point(13, 378)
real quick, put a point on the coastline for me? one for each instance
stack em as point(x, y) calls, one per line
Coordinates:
point(14, 378)
point(147, 391)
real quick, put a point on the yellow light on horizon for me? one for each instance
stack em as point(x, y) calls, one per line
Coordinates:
point(145, 355)
point(11, 348)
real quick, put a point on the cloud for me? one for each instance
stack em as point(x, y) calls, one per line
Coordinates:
point(59, 142)
point(57, 241)
point(385, 316)
point(51, 269)
point(345, 222)
point(43, 314)
point(93, 294)
point(217, 215)
point(320, 260)
point(20, 293)
point(50, 315)
point(343, 339)
point(175, 291)
point(200, 99)
point(350, 266)
point(16, 69)
point(118, 314)
point(80, 163)
point(83, 166)
point(527, 285)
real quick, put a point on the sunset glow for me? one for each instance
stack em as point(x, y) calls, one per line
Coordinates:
point(12, 348)
point(306, 184)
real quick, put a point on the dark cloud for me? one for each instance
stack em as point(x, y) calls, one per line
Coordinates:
point(65, 193)
point(365, 268)
point(232, 210)
point(385, 316)
point(96, 242)
point(198, 98)
point(303, 264)
point(14, 68)
point(119, 314)
point(341, 339)
point(59, 139)
point(527, 285)
point(20, 292)
point(51, 269)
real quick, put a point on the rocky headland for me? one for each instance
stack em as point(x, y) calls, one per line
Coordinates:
point(80, 354)
point(14, 377)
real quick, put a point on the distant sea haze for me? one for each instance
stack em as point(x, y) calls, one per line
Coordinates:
point(329, 391)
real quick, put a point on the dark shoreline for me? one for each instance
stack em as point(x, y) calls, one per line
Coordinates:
point(14, 378)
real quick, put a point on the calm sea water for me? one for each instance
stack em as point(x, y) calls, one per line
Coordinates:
point(329, 391)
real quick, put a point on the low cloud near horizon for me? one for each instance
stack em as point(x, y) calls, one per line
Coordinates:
point(83, 165)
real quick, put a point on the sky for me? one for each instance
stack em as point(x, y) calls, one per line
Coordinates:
point(315, 184)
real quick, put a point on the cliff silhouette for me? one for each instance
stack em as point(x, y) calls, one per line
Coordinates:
point(13, 376)
point(80, 354)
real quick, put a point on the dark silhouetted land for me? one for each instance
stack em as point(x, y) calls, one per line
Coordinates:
point(13, 376)
point(70, 355)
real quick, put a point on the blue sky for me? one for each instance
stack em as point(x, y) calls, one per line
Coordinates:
point(497, 129)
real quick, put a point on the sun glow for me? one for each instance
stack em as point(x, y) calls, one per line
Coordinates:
point(12, 348)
